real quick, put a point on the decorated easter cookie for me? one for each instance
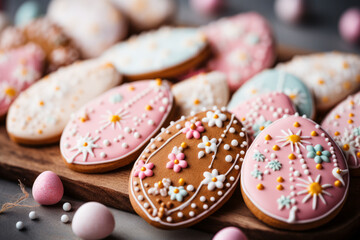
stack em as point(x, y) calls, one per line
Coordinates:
point(59, 49)
point(330, 76)
point(273, 80)
point(243, 46)
point(146, 14)
point(201, 91)
point(40, 113)
point(343, 123)
point(167, 52)
point(111, 130)
point(294, 176)
point(93, 26)
point(259, 112)
point(19, 68)
point(189, 170)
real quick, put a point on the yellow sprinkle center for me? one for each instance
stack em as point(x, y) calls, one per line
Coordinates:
point(160, 184)
point(279, 187)
point(82, 119)
point(314, 188)
point(148, 107)
point(337, 183)
point(216, 116)
point(131, 88)
point(352, 102)
point(313, 133)
point(346, 65)
point(243, 119)
point(268, 137)
point(260, 186)
point(143, 169)
point(11, 92)
point(40, 131)
point(41, 103)
point(292, 96)
point(318, 153)
point(176, 190)
point(337, 116)
point(276, 148)
point(350, 121)
point(183, 145)
point(294, 138)
point(358, 154)
point(214, 179)
point(253, 91)
point(346, 147)
point(181, 181)
point(24, 72)
point(176, 161)
point(85, 144)
point(196, 101)
point(158, 81)
point(321, 81)
point(193, 126)
point(208, 144)
point(351, 114)
point(261, 128)
point(296, 124)
point(280, 179)
point(115, 118)
point(292, 156)
point(338, 171)
point(318, 166)
point(336, 133)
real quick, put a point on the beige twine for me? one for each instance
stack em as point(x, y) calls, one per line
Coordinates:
point(10, 205)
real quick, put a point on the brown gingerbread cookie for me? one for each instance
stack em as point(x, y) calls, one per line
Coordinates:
point(189, 170)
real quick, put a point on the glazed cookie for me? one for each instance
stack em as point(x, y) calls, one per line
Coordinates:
point(259, 112)
point(146, 14)
point(294, 176)
point(167, 52)
point(243, 46)
point(201, 91)
point(273, 80)
point(19, 68)
point(58, 48)
point(40, 113)
point(111, 130)
point(342, 123)
point(93, 27)
point(189, 170)
point(331, 76)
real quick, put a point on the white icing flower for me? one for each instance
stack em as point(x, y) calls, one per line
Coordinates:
point(215, 118)
point(296, 96)
point(349, 143)
point(7, 92)
point(295, 140)
point(84, 146)
point(209, 145)
point(213, 180)
point(24, 74)
point(160, 187)
point(114, 119)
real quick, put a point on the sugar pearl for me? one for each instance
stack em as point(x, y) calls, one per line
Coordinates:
point(191, 214)
point(202, 198)
point(65, 218)
point(33, 215)
point(67, 206)
point(20, 225)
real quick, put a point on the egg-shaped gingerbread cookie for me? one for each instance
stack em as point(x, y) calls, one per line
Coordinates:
point(343, 124)
point(189, 170)
point(111, 130)
point(294, 176)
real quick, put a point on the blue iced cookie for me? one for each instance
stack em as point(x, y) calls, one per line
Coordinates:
point(274, 80)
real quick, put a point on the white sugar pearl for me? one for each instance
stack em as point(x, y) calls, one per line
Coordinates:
point(180, 214)
point(124, 145)
point(212, 199)
point(140, 197)
point(106, 142)
point(19, 225)
point(103, 155)
point(33, 215)
point(190, 188)
point(234, 143)
point(67, 206)
point(205, 206)
point(193, 205)
point(232, 130)
point(137, 135)
point(151, 122)
point(228, 158)
point(191, 214)
point(202, 198)
point(169, 219)
point(226, 146)
point(65, 218)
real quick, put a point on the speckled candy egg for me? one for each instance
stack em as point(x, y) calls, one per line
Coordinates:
point(93, 220)
point(294, 176)
point(343, 123)
point(349, 25)
point(47, 188)
point(189, 170)
point(230, 233)
point(110, 131)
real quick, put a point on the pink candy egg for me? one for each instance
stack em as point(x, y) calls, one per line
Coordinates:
point(48, 188)
point(349, 25)
point(206, 7)
point(290, 11)
point(93, 221)
point(230, 233)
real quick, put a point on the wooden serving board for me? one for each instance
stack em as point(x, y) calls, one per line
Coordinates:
point(25, 163)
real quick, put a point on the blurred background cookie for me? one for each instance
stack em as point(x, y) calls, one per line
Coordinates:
point(94, 26)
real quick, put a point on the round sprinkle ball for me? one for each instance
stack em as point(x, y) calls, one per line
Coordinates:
point(47, 189)
point(20, 225)
point(93, 221)
point(232, 233)
point(33, 215)
point(64, 218)
point(67, 207)
point(290, 11)
point(349, 25)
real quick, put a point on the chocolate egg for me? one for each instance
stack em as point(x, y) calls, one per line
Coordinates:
point(47, 188)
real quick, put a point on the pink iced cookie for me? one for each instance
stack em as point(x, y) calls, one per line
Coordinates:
point(342, 123)
point(19, 68)
point(243, 46)
point(111, 130)
point(260, 111)
point(294, 176)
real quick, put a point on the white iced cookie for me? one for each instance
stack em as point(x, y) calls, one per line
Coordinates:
point(93, 25)
point(146, 14)
point(331, 76)
point(164, 53)
point(39, 114)
point(201, 91)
